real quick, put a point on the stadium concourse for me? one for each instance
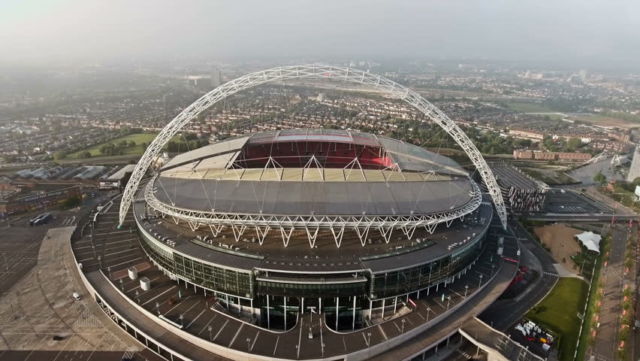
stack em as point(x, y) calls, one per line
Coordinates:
point(106, 254)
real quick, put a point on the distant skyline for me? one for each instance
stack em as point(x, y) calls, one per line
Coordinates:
point(589, 34)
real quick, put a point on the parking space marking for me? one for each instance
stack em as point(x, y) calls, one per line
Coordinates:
point(208, 323)
point(221, 328)
point(196, 318)
point(162, 293)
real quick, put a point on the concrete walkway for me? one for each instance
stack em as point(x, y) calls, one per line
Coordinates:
point(563, 272)
point(40, 306)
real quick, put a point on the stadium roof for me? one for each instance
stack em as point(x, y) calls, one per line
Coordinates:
point(407, 156)
point(314, 172)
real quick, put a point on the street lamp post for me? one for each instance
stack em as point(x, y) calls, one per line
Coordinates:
point(158, 308)
point(210, 329)
point(137, 296)
point(448, 301)
point(480, 281)
point(466, 289)
point(428, 310)
point(403, 322)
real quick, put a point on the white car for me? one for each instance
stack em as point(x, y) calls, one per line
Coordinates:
point(76, 296)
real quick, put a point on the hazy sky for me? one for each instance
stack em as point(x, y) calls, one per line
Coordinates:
point(581, 32)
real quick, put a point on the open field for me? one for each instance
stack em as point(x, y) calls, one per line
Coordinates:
point(605, 121)
point(560, 239)
point(526, 107)
point(107, 160)
point(559, 312)
point(138, 149)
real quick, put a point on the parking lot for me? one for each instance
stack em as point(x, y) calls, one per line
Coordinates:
point(570, 202)
point(20, 242)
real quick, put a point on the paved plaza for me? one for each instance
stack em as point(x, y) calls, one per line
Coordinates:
point(40, 307)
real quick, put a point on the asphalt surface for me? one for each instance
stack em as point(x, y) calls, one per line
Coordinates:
point(20, 245)
point(505, 312)
point(145, 355)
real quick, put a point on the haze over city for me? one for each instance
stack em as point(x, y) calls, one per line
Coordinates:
point(319, 180)
point(591, 34)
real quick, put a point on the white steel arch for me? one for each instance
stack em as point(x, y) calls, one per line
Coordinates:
point(314, 71)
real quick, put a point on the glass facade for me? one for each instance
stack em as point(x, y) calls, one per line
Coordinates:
point(202, 274)
point(361, 284)
point(311, 289)
point(409, 280)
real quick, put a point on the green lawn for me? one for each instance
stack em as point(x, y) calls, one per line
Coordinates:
point(525, 107)
point(139, 138)
point(559, 312)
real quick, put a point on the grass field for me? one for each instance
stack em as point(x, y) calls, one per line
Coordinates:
point(606, 121)
point(525, 107)
point(559, 312)
point(139, 138)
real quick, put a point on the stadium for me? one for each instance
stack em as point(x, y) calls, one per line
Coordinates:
point(340, 222)
point(302, 243)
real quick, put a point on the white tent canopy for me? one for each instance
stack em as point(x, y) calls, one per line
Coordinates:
point(590, 240)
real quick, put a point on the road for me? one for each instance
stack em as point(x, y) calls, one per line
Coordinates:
point(505, 312)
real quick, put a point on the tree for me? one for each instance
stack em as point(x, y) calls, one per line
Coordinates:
point(72, 202)
point(573, 144)
point(85, 154)
point(59, 155)
point(600, 178)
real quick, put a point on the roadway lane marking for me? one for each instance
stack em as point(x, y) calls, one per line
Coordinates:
point(162, 293)
point(123, 251)
point(221, 328)
point(208, 323)
point(138, 284)
point(276, 345)
point(236, 335)
point(394, 323)
point(120, 264)
point(90, 355)
point(365, 339)
point(195, 319)
point(110, 233)
point(177, 304)
point(382, 332)
point(255, 338)
point(190, 308)
point(299, 339)
point(409, 321)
